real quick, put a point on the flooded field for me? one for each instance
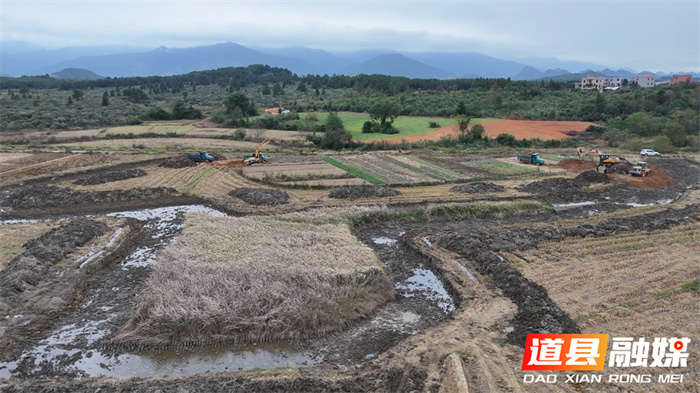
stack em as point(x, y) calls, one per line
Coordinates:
point(79, 344)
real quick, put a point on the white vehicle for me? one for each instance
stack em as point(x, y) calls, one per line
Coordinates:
point(649, 152)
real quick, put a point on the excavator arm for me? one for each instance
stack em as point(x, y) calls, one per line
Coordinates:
point(255, 158)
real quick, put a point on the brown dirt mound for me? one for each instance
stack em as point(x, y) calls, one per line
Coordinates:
point(574, 165)
point(656, 179)
point(355, 192)
point(107, 177)
point(227, 163)
point(177, 162)
point(475, 188)
point(589, 177)
point(260, 196)
point(553, 185)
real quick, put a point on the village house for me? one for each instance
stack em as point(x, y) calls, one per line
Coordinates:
point(681, 79)
point(645, 80)
point(599, 83)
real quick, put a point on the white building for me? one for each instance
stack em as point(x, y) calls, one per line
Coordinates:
point(645, 80)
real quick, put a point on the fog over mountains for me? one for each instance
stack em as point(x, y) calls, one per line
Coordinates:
point(18, 59)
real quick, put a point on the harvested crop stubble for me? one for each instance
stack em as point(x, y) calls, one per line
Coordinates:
point(260, 196)
point(257, 279)
point(355, 192)
point(478, 187)
point(107, 177)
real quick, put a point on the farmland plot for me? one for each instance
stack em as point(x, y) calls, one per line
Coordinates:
point(628, 285)
point(398, 169)
point(318, 173)
point(206, 181)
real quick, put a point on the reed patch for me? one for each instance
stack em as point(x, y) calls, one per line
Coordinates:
point(236, 279)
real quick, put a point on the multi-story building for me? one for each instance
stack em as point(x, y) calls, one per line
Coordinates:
point(599, 82)
point(644, 80)
point(592, 83)
point(612, 82)
point(681, 79)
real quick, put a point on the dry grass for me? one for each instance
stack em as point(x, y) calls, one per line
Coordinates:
point(626, 285)
point(258, 279)
point(594, 274)
point(14, 236)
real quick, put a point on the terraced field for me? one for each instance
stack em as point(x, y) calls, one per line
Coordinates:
point(397, 169)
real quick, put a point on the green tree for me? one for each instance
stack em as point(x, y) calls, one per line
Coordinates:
point(461, 108)
point(105, 99)
point(505, 139)
point(310, 121)
point(241, 102)
point(136, 96)
point(70, 100)
point(463, 123)
point(180, 111)
point(676, 134)
point(640, 123)
point(384, 110)
point(335, 136)
point(277, 90)
point(663, 144)
point(266, 90)
point(476, 132)
point(78, 94)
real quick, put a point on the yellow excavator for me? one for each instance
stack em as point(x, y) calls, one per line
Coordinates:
point(258, 157)
point(607, 162)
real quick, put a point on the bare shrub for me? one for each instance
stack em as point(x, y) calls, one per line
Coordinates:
point(257, 279)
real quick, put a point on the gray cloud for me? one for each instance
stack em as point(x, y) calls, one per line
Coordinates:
point(641, 34)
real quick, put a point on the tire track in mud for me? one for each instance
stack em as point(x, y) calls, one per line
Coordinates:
point(62, 289)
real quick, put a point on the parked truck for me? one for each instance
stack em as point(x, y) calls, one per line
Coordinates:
point(200, 157)
point(533, 158)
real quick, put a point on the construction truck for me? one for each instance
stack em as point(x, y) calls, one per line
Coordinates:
point(640, 169)
point(607, 162)
point(533, 158)
point(258, 157)
point(200, 157)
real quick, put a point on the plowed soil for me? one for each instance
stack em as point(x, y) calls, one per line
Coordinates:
point(520, 129)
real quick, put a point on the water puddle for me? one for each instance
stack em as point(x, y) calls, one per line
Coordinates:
point(73, 348)
point(573, 204)
point(466, 271)
point(162, 224)
point(429, 285)
point(384, 240)
point(398, 321)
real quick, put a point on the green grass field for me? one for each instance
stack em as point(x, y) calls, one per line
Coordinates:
point(407, 125)
point(499, 167)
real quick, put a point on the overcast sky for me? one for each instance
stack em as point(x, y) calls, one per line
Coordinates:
point(642, 35)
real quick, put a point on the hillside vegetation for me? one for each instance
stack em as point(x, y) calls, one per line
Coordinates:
point(671, 112)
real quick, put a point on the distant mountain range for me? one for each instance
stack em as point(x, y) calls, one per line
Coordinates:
point(133, 61)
